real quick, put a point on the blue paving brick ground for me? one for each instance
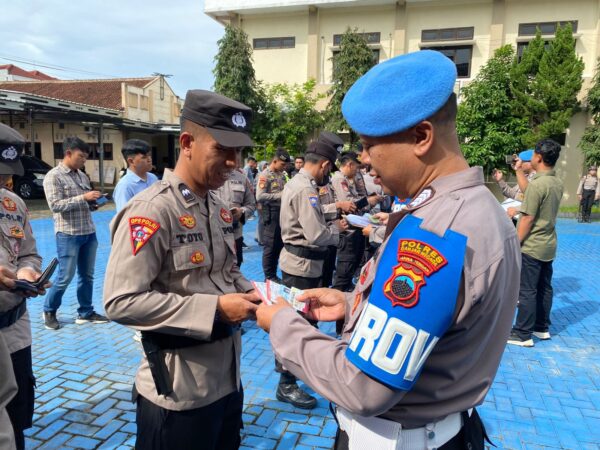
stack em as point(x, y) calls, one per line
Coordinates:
point(547, 397)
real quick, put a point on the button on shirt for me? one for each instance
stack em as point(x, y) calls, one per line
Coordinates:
point(64, 190)
point(130, 185)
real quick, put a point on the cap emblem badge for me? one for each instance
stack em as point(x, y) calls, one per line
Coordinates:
point(340, 149)
point(239, 120)
point(10, 153)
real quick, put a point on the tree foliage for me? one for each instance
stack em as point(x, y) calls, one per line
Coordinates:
point(486, 125)
point(352, 61)
point(590, 141)
point(545, 84)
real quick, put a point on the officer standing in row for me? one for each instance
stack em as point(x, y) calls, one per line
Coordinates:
point(237, 193)
point(18, 254)
point(588, 192)
point(190, 297)
point(424, 327)
point(352, 243)
point(306, 237)
point(268, 193)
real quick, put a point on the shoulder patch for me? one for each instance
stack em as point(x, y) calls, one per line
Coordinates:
point(141, 229)
point(314, 200)
point(226, 216)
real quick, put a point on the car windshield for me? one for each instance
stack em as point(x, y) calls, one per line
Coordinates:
point(31, 163)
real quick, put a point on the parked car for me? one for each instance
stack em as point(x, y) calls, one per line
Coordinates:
point(30, 185)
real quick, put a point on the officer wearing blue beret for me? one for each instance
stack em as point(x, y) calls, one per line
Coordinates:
point(424, 327)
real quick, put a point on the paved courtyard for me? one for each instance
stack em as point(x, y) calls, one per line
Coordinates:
point(546, 397)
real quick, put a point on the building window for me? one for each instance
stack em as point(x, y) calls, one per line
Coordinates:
point(371, 38)
point(448, 34)
point(58, 150)
point(108, 152)
point(546, 28)
point(132, 100)
point(61, 126)
point(460, 55)
point(144, 102)
point(271, 43)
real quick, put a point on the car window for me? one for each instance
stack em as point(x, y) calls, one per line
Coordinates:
point(31, 163)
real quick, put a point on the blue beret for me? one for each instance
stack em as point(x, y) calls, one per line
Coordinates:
point(526, 155)
point(399, 93)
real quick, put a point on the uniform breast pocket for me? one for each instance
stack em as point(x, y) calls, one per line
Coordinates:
point(237, 194)
point(190, 257)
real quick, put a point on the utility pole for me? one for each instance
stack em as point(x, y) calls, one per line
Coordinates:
point(162, 82)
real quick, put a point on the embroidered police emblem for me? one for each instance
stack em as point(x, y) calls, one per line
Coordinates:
point(187, 221)
point(323, 190)
point(17, 232)
point(186, 193)
point(262, 182)
point(365, 273)
point(141, 230)
point(226, 216)
point(340, 149)
point(10, 153)
point(197, 257)
point(417, 261)
point(9, 204)
point(239, 120)
point(314, 200)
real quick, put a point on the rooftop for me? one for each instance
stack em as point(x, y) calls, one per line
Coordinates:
point(34, 74)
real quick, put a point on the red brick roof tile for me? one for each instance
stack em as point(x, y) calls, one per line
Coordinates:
point(16, 70)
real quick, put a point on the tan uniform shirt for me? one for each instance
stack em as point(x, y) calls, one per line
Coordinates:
point(347, 189)
point(303, 223)
point(17, 250)
point(461, 367)
point(238, 192)
point(270, 187)
point(8, 389)
point(185, 258)
point(327, 199)
point(589, 183)
point(514, 192)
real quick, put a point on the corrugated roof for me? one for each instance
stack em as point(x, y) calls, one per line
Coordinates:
point(103, 93)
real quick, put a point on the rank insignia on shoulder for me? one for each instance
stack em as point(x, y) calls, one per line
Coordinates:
point(186, 192)
point(9, 204)
point(141, 229)
point(416, 262)
point(425, 195)
point(17, 232)
point(187, 221)
point(197, 257)
point(226, 216)
point(314, 200)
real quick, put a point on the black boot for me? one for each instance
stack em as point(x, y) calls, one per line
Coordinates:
point(291, 393)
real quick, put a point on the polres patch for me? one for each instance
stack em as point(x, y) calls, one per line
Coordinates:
point(313, 200)
point(141, 229)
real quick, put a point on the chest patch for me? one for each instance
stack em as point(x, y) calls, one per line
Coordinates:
point(187, 221)
point(197, 257)
point(226, 216)
point(9, 204)
point(17, 232)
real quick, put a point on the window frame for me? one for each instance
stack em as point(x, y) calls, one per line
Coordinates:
point(441, 49)
point(454, 37)
point(274, 43)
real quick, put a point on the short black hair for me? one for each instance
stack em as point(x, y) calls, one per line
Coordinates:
point(347, 157)
point(133, 147)
point(74, 143)
point(299, 157)
point(313, 158)
point(251, 158)
point(549, 150)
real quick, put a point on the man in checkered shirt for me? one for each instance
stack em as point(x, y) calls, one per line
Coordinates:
point(71, 200)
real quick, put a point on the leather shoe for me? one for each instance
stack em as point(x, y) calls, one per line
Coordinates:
point(291, 393)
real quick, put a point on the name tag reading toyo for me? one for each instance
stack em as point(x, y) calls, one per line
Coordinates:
point(411, 303)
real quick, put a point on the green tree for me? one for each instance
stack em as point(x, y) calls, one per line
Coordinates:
point(590, 141)
point(547, 94)
point(292, 115)
point(352, 61)
point(487, 128)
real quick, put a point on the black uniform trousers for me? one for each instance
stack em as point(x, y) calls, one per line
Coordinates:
point(535, 297)
point(271, 239)
point(349, 256)
point(329, 266)
point(239, 251)
point(585, 206)
point(20, 408)
point(213, 427)
point(299, 283)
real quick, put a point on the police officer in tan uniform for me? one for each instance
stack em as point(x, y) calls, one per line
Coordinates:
point(172, 274)
point(237, 193)
point(268, 193)
point(588, 192)
point(424, 327)
point(18, 254)
point(306, 235)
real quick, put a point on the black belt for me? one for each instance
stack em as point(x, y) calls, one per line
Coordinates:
point(307, 253)
point(8, 318)
point(153, 342)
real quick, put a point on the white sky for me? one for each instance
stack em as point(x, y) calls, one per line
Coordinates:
point(84, 39)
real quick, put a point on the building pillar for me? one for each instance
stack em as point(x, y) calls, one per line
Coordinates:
point(399, 38)
point(497, 27)
point(313, 44)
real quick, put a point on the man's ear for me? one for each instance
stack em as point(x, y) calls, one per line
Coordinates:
point(424, 134)
point(186, 140)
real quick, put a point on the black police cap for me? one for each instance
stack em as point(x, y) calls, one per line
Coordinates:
point(328, 145)
point(11, 148)
point(227, 121)
point(282, 155)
